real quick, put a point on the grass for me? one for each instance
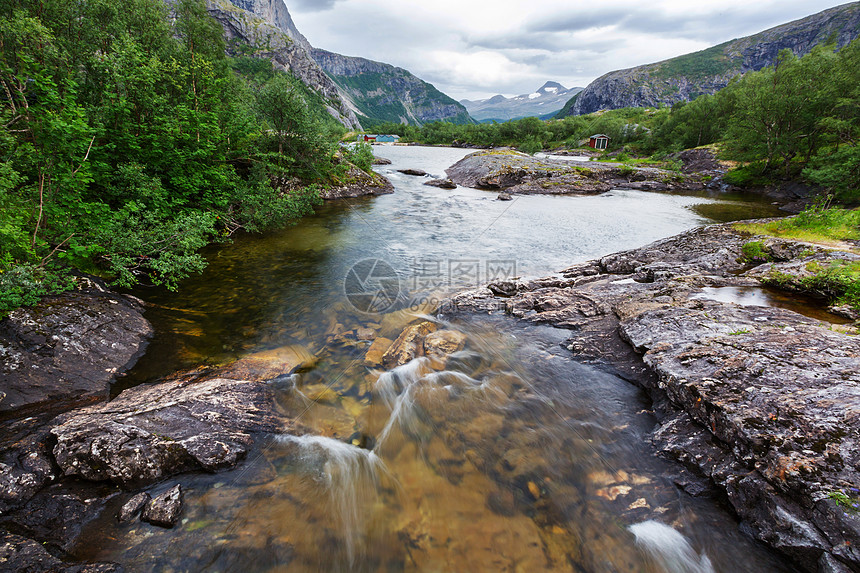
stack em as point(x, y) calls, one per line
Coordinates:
point(821, 224)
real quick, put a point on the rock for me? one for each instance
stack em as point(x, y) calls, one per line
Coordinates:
point(132, 507)
point(69, 347)
point(57, 516)
point(365, 333)
point(359, 184)
point(268, 364)
point(152, 432)
point(513, 172)
point(408, 346)
point(381, 161)
point(164, 510)
point(442, 343)
point(377, 350)
point(441, 183)
point(505, 197)
point(413, 172)
point(25, 468)
point(27, 556)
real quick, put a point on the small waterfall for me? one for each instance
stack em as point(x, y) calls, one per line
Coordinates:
point(351, 477)
point(669, 549)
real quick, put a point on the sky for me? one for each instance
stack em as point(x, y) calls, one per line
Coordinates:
point(475, 49)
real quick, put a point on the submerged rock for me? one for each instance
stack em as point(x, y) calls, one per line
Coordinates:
point(69, 347)
point(164, 510)
point(151, 432)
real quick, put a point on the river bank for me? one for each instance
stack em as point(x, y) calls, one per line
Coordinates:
point(760, 401)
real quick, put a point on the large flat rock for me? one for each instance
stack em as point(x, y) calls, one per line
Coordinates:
point(151, 432)
point(69, 348)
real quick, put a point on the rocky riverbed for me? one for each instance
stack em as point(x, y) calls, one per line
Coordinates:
point(759, 403)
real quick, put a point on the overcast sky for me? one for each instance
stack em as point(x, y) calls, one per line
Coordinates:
point(478, 48)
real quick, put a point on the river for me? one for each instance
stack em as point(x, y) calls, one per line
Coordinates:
point(513, 457)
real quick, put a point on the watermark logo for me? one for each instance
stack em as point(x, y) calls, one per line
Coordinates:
point(372, 286)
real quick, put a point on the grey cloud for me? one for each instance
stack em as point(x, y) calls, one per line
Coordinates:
point(311, 5)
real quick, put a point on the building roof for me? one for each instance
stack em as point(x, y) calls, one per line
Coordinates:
point(599, 136)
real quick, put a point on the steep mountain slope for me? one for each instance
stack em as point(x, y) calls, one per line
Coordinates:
point(383, 92)
point(549, 99)
point(351, 86)
point(686, 77)
point(265, 29)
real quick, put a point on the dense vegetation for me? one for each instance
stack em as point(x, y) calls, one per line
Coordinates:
point(800, 118)
point(129, 140)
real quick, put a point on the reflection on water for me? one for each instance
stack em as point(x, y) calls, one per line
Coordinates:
point(505, 456)
point(762, 296)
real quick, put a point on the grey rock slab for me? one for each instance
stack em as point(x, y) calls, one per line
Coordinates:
point(151, 432)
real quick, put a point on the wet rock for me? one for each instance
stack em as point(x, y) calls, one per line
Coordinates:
point(413, 172)
point(268, 364)
point(69, 347)
point(164, 510)
point(56, 516)
point(25, 468)
point(132, 507)
point(152, 432)
point(381, 161)
point(505, 197)
point(441, 183)
point(25, 555)
point(443, 343)
point(408, 346)
point(377, 350)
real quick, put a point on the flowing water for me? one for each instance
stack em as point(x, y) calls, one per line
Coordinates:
point(507, 456)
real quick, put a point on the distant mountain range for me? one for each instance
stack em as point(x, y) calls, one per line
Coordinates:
point(686, 77)
point(545, 102)
point(354, 89)
point(382, 92)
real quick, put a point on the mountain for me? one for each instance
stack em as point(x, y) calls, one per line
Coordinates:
point(548, 100)
point(686, 77)
point(351, 87)
point(383, 92)
point(264, 29)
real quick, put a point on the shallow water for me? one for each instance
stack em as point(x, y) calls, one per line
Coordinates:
point(510, 456)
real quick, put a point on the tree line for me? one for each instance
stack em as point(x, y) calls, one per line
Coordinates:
point(130, 140)
point(797, 119)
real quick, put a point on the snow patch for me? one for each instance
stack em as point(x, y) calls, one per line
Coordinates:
point(534, 96)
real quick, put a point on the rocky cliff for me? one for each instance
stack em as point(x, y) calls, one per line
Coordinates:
point(686, 77)
point(387, 93)
point(266, 29)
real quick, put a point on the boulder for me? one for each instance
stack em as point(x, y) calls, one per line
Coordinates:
point(69, 347)
point(359, 183)
point(268, 364)
point(413, 172)
point(164, 510)
point(152, 432)
point(505, 197)
point(408, 346)
point(377, 350)
point(442, 343)
point(441, 183)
